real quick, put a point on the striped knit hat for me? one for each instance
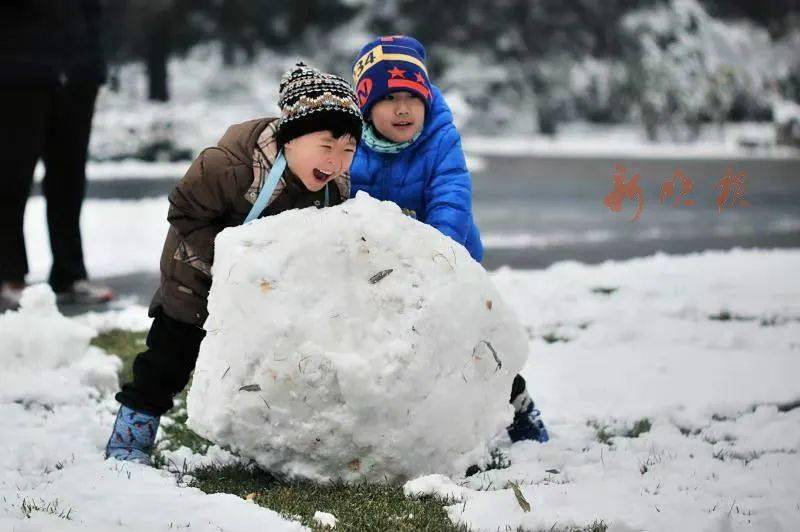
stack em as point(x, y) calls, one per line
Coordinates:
point(391, 64)
point(311, 101)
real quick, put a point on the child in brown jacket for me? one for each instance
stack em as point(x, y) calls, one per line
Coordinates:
point(259, 168)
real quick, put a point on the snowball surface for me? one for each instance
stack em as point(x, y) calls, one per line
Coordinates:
point(353, 342)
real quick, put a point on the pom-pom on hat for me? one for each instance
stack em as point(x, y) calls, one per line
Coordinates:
point(391, 64)
point(311, 101)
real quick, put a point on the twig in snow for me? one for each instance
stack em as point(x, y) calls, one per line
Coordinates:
point(433, 258)
point(524, 504)
point(732, 505)
point(494, 353)
point(380, 275)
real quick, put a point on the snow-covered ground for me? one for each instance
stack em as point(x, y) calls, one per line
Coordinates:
point(722, 453)
point(56, 408)
point(644, 338)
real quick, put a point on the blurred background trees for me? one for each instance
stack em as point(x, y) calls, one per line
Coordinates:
point(520, 65)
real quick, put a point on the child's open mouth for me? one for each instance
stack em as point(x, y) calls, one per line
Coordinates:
point(321, 176)
point(403, 125)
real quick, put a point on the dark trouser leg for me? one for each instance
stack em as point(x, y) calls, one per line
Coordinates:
point(164, 369)
point(519, 394)
point(23, 111)
point(64, 186)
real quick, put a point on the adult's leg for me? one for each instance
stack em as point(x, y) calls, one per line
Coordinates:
point(65, 152)
point(23, 111)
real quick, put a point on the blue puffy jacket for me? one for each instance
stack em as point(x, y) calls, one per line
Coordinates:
point(430, 177)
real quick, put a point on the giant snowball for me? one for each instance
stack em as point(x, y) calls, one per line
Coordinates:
point(353, 342)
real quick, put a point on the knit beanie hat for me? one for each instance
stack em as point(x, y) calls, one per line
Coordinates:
point(311, 101)
point(391, 64)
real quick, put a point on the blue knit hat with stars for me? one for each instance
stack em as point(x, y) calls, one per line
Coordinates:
point(391, 64)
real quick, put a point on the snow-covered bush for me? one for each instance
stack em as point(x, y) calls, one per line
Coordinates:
point(600, 90)
point(207, 97)
point(497, 96)
point(787, 123)
point(688, 67)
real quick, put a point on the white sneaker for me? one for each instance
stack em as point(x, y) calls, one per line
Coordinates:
point(85, 293)
point(10, 294)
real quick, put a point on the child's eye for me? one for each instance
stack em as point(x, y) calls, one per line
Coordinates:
point(389, 97)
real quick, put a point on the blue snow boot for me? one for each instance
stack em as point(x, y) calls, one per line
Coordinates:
point(133, 436)
point(528, 425)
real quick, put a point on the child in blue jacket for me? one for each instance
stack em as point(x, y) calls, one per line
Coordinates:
point(410, 153)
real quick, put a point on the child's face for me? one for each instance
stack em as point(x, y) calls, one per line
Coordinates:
point(318, 157)
point(399, 116)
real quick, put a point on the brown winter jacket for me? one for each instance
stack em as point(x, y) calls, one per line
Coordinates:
point(218, 191)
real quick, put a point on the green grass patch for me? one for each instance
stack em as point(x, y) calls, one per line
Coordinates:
point(125, 344)
point(552, 338)
point(605, 433)
point(604, 290)
point(597, 526)
point(29, 506)
point(176, 435)
point(358, 506)
point(725, 315)
point(639, 428)
point(497, 460)
point(764, 321)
